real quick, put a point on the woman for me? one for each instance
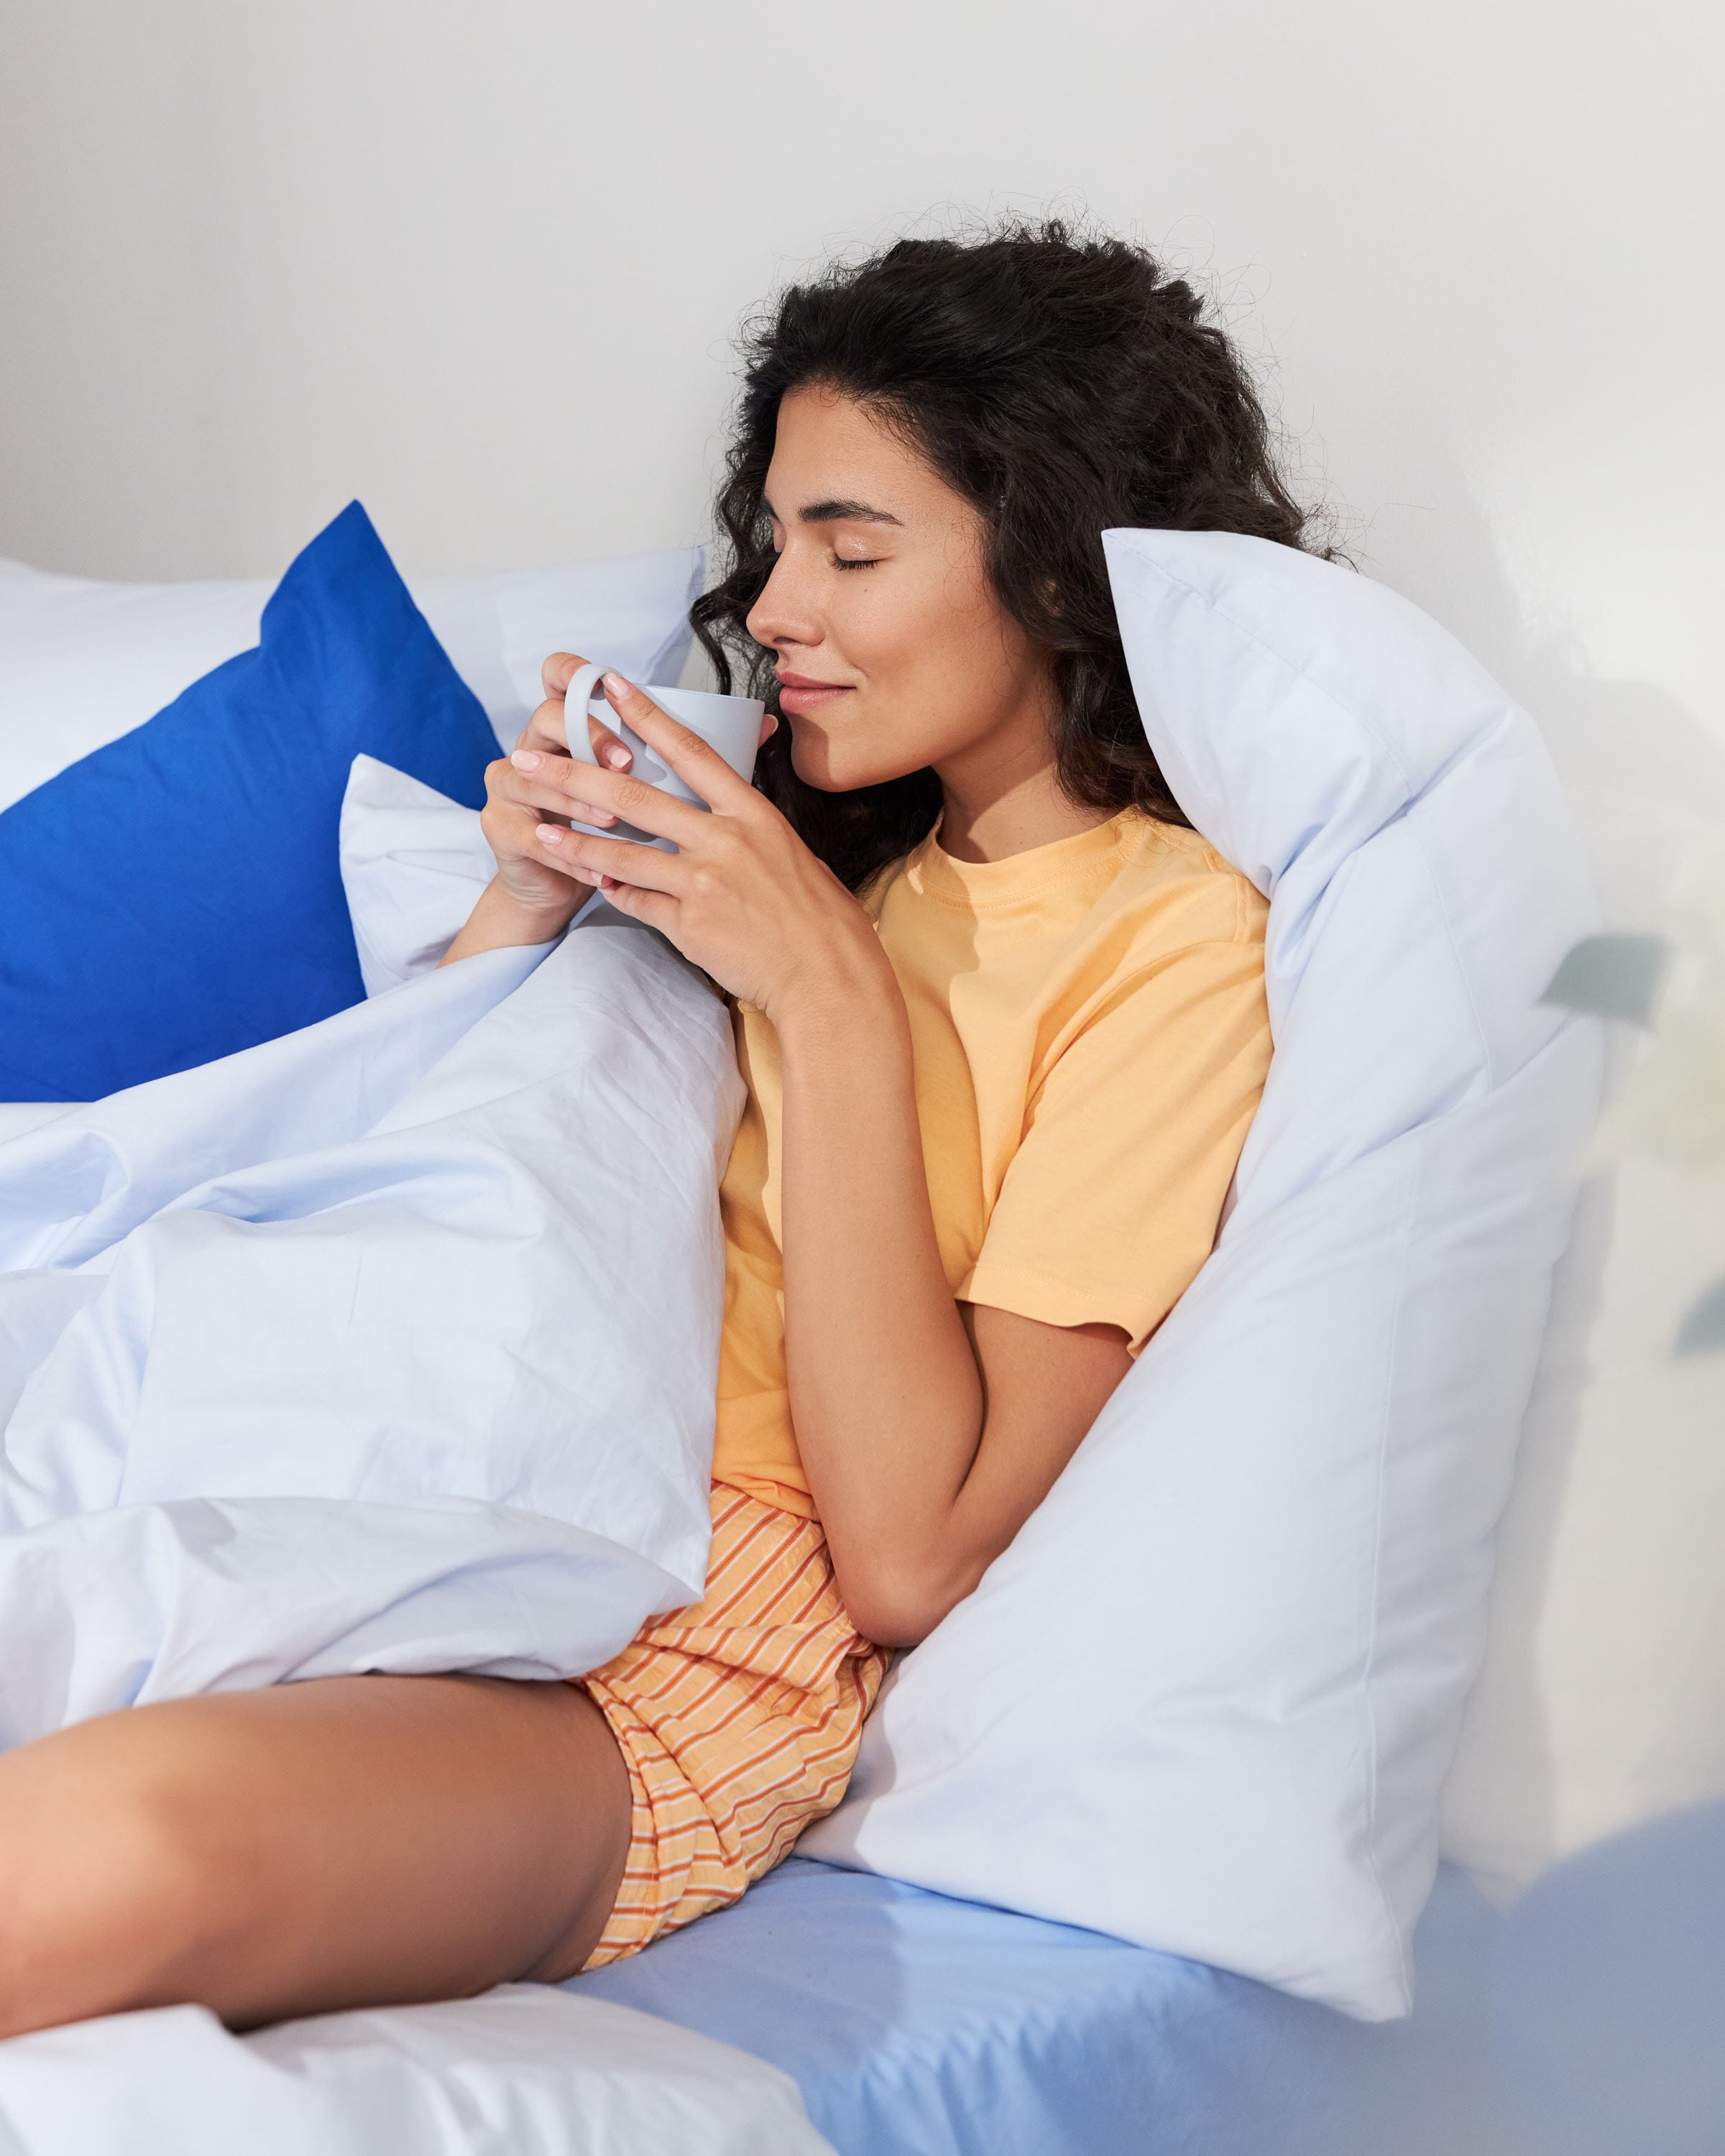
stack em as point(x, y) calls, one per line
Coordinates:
point(1002, 1022)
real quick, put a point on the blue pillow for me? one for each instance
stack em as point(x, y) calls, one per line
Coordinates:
point(178, 894)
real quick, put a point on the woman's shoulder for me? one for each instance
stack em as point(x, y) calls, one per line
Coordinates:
point(1180, 890)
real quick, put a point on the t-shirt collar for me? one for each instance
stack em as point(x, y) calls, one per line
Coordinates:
point(932, 869)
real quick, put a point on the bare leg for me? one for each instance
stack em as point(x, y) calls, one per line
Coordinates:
point(351, 1842)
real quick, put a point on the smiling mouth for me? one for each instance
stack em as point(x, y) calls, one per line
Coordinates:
point(799, 694)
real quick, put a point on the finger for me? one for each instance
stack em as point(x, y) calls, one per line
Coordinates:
point(769, 726)
point(608, 746)
point(644, 806)
point(697, 762)
point(645, 868)
point(545, 732)
point(559, 671)
point(509, 831)
point(653, 906)
point(522, 834)
point(550, 785)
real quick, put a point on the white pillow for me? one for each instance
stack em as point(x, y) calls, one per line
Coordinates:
point(1207, 1699)
point(414, 863)
point(82, 662)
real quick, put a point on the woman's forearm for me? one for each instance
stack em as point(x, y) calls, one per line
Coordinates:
point(885, 1395)
point(500, 921)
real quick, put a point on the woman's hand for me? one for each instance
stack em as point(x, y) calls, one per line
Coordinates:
point(742, 896)
point(528, 902)
point(510, 819)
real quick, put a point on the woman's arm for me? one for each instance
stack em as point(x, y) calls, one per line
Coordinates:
point(929, 1429)
point(501, 921)
point(929, 1436)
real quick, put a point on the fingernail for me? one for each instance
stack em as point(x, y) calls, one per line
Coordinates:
point(550, 835)
point(614, 685)
point(617, 757)
point(527, 759)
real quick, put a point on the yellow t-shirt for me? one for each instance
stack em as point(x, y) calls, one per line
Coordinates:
point(1090, 1040)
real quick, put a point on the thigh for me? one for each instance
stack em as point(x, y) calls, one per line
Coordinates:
point(344, 1842)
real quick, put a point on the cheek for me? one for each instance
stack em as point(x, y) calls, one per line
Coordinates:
point(956, 656)
point(917, 635)
point(941, 663)
point(986, 643)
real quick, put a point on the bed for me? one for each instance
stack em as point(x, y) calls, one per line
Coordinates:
point(915, 2026)
point(910, 2021)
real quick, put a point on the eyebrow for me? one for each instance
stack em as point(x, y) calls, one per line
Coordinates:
point(841, 512)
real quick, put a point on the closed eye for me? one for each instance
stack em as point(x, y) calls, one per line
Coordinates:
point(846, 562)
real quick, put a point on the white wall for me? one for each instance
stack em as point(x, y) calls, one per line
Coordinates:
point(478, 264)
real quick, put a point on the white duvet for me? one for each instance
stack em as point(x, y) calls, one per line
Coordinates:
point(391, 1345)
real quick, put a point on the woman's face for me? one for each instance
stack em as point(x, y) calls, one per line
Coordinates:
point(893, 652)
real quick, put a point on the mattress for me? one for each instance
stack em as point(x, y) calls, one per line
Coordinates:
point(915, 2026)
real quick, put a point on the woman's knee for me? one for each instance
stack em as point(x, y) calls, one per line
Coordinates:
point(117, 1872)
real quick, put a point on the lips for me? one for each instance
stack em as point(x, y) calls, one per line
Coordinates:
point(799, 694)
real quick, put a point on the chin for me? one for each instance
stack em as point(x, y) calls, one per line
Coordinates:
point(816, 766)
point(815, 763)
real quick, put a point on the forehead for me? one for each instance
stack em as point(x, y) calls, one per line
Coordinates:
point(829, 447)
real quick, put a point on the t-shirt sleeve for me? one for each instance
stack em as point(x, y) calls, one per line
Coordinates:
point(1112, 1201)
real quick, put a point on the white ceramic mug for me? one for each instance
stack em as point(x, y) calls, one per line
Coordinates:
point(730, 724)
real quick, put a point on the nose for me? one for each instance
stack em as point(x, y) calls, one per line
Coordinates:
point(785, 614)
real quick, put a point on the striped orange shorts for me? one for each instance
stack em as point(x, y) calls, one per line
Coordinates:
point(739, 1721)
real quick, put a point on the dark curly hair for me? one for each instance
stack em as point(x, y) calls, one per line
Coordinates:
point(1063, 384)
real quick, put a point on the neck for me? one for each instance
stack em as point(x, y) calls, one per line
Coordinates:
point(1009, 805)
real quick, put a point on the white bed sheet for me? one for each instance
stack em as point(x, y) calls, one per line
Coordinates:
point(524, 2071)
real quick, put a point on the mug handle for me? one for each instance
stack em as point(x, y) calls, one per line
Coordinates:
point(583, 686)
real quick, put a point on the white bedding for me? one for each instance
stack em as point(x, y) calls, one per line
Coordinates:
point(524, 2071)
point(388, 1345)
point(391, 1345)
